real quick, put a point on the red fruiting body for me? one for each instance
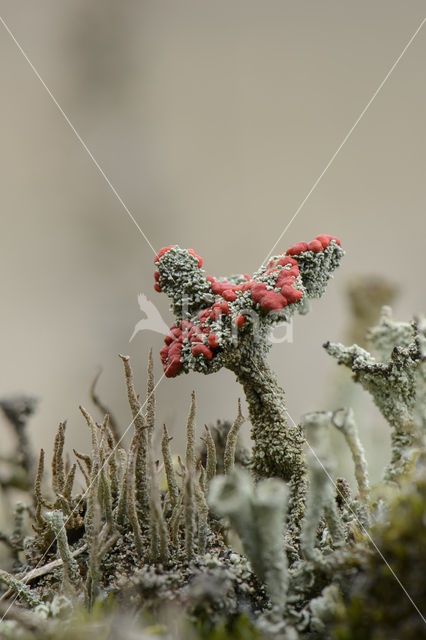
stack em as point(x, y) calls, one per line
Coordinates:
point(320, 243)
point(291, 294)
point(229, 295)
point(203, 350)
point(212, 341)
point(315, 245)
point(277, 300)
point(200, 260)
point(297, 248)
point(163, 251)
point(282, 262)
point(219, 287)
point(268, 299)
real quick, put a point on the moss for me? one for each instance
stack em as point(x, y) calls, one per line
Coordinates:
point(376, 605)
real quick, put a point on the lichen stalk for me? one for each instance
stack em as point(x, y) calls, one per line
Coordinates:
point(231, 441)
point(321, 495)
point(278, 444)
point(150, 396)
point(131, 504)
point(142, 475)
point(392, 384)
point(203, 513)
point(58, 474)
point(120, 510)
point(37, 489)
point(211, 458)
point(189, 516)
point(169, 468)
point(71, 572)
point(345, 422)
point(190, 437)
point(22, 591)
point(258, 516)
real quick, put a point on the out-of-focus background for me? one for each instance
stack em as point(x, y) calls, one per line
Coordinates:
point(212, 120)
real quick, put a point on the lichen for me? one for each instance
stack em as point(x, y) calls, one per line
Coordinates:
point(226, 543)
point(226, 323)
point(395, 382)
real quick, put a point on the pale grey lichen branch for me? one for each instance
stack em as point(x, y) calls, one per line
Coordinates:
point(321, 495)
point(258, 516)
point(344, 421)
point(71, 573)
point(392, 384)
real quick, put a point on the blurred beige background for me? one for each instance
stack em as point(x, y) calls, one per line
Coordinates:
point(212, 120)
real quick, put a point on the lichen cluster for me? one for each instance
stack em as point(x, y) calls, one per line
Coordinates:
point(225, 542)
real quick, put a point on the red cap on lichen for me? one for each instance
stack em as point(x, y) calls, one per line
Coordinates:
point(200, 260)
point(320, 243)
point(191, 344)
point(163, 251)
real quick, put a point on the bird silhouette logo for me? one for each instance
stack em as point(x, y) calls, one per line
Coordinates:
point(153, 320)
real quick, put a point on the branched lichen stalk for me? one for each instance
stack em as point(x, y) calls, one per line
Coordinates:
point(345, 422)
point(93, 432)
point(84, 458)
point(22, 591)
point(227, 323)
point(392, 385)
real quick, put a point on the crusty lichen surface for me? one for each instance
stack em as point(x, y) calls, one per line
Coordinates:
point(227, 323)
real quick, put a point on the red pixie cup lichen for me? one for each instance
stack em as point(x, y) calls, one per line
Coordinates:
point(226, 323)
